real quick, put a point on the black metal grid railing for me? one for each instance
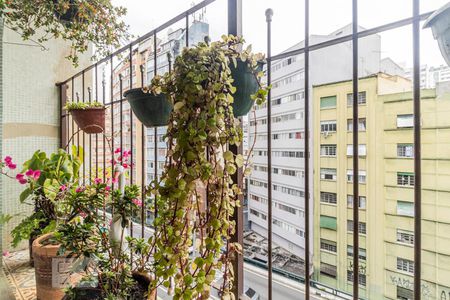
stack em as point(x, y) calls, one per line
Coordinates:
point(69, 129)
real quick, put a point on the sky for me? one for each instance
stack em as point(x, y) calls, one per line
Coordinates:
point(288, 22)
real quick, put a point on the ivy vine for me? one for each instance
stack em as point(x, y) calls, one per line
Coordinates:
point(196, 193)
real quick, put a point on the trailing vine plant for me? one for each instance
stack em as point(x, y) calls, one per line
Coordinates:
point(196, 193)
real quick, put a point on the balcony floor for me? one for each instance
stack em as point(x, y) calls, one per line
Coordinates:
point(20, 275)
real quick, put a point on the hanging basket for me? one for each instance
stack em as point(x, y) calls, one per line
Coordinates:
point(246, 85)
point(152, 110)
point(90, 120)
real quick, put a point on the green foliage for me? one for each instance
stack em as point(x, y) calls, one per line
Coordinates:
point(200, 130)
point(83, 105)
point(60, 169)
point(86, 233)
point(92, 22)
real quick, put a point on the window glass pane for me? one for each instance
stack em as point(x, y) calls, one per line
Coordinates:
point(328, 102)
point(328, 222)
point(405, 208)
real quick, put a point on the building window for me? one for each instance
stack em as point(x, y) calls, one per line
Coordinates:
point(361, 227)
point(405, 150)
point(328, 102)
point(361, 176)
point(328, 126)
point(328, 270)
point(258, 214)
point(361, 203)
point(361, 254)
point(328, 245)
point(328, 222)
point(361, 278)
point(328, 174)
point(405, 179)
point(361, 98)
point(286, 208)
point(404, 293)
point(326, 197)
point(405, 208)
point(405, 121)
point(328, 150)
point(405, 265)
point(405, 237)
point(361, 124)
point(361, 150)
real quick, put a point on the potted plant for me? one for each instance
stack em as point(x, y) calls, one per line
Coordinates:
point(150, 108)
point(89, 116)
point(80, 22)
point(201, 127)
point(108, 271)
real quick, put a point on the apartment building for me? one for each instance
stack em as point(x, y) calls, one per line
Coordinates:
point(430, 76)
point(326, 65)
point(386, 180)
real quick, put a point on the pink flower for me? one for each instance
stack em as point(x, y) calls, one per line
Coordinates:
point(98, 180)
point(11, 166)
point(126, 153)
point(107, 188)
point(125, 165)
point(118, 150)
point(5, 253)
point(137, 202)
point(63, 187)
point(20, 177)
point(115, 180)
point(8, 159)
point(79, 189)
point(29, 173)
point(36, 174)
point(83, 214)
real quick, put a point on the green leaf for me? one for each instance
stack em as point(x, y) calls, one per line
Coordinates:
point(25, 194)
point(228, 155)
point(178, 105)
point(239, 160)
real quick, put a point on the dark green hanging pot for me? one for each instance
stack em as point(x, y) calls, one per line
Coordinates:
point(246, 85)
point(151, 110)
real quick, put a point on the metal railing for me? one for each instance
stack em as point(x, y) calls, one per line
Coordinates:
point(98, 164)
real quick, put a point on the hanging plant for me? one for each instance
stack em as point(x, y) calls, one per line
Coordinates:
point(200, 129)
point(89, 116)
point(81, 22)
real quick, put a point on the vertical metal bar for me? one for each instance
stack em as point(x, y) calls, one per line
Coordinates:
point(73, 100)
point(269, 14)
point(90, 141)
point(84, 139)
point(96, 135)
point(187, 30)
point(131, 140)
point(104, 140)
point(355, 153)
point(121, 113)
point(417, 154)
point(112, 122)
point(143, 164)
point(235, 28)
point(306, 125)
point(155, 133)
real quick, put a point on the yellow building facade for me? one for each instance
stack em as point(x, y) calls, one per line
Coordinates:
point(386, 181)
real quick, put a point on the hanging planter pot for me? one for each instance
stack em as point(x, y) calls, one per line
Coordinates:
point(70, 14)
point(152, 110)
point(91, 120)
point(246, 85)
point(440, 26)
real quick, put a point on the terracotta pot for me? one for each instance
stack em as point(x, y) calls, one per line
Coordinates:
point(90, 120)
point(48, 265)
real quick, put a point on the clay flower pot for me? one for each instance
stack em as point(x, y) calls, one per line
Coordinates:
point(90, 120)
point(48, 269)
point(246, 85)
point(151, 110)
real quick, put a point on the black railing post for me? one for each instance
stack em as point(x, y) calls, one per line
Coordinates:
point(417, 154)
point(355, 153)
point(307, 155)
point(235, 28)
point(269, 14)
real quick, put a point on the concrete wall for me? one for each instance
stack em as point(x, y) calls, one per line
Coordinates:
point(29, 112)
